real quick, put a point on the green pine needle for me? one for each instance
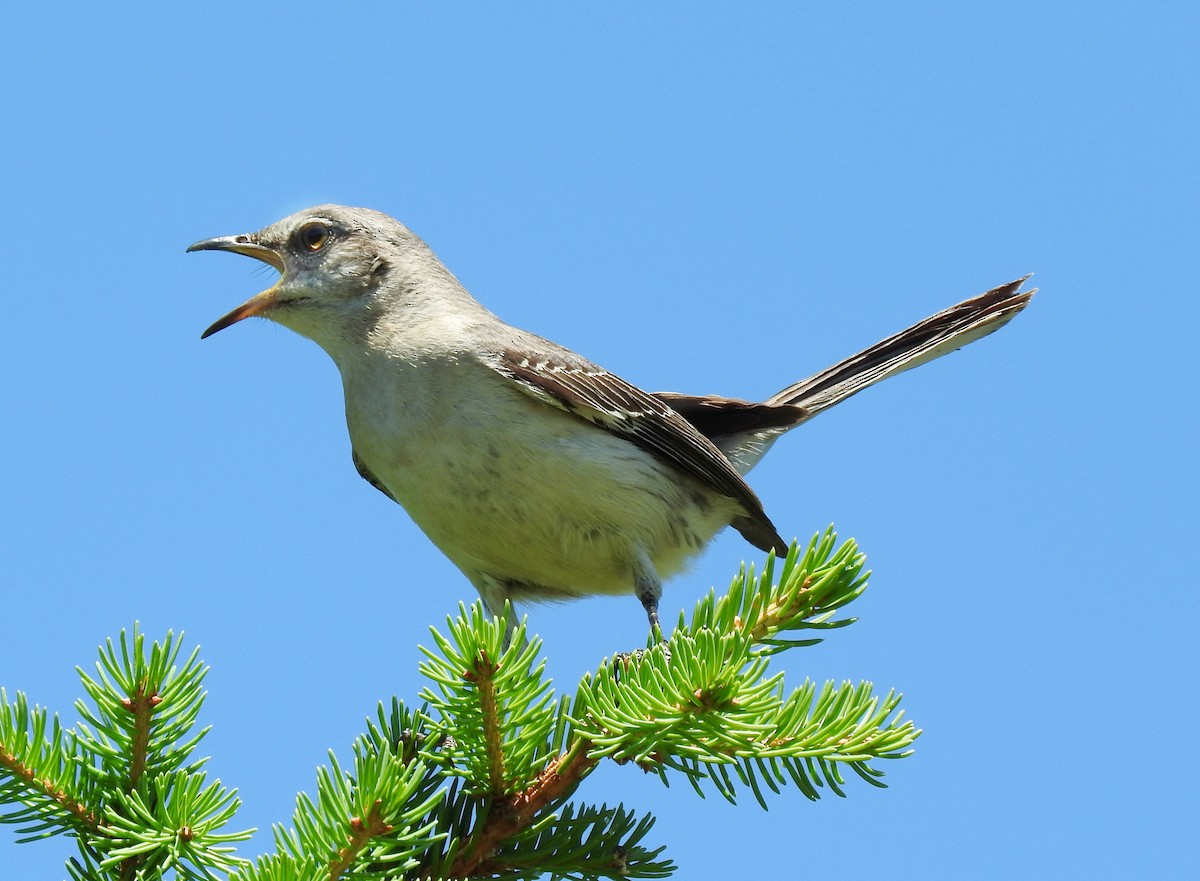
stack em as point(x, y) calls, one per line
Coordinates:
point(478, 780)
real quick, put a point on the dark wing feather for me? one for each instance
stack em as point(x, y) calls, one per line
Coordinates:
point(611, 403)
point(365, 473)
point(715, 416)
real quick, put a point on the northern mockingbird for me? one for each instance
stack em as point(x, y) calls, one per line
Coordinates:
point(539, 474)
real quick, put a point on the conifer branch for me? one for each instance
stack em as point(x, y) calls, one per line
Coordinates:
point(481, 674)
point(513, 815)
point(361, 832)
point(478, 781)
point(140, 706)
point(34, 768)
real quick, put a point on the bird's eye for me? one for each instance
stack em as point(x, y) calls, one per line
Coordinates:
point(313, 235)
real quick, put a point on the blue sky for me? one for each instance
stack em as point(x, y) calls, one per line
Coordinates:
point(702, 199)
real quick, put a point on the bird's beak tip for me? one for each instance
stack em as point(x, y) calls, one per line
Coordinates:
point(218, 243)
point(248, 246)
point(256, 305)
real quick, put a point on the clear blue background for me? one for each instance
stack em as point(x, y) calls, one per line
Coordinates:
point(703, 198)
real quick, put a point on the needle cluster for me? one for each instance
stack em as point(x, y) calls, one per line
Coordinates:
point(480, 779)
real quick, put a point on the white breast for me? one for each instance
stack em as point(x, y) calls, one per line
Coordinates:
point(519, 490)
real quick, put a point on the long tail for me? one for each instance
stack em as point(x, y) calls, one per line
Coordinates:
point(937, 335)
point(744, 430)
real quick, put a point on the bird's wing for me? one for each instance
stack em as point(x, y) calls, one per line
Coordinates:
point(610, 403)
point(715, 416)
point(366, 474)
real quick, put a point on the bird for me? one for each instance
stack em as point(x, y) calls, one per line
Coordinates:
point(538, 473)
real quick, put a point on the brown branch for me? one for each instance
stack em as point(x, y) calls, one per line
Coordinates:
point(361, 833)
point(483, 677)
point(75, 809)
point(510, 815)
point(141, 705)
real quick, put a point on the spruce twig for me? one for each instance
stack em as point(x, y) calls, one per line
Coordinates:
point(479, 781)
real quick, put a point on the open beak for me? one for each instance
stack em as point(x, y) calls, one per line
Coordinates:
point(259, 303)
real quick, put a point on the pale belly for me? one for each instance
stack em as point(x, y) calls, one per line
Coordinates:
point(568, 507)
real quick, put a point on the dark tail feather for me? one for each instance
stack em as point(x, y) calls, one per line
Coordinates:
point(937, 335)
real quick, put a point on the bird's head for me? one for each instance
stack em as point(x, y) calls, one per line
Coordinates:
point(332, 262)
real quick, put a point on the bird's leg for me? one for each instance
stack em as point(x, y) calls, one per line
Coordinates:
point(648, 588)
